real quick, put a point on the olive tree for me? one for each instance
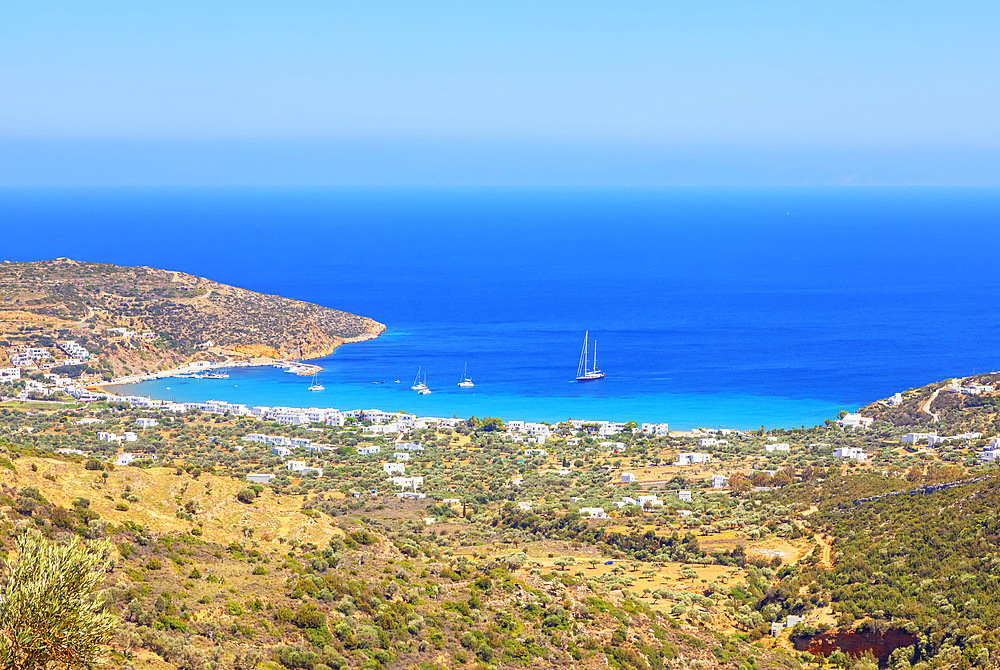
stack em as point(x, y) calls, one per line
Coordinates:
point(51, 614)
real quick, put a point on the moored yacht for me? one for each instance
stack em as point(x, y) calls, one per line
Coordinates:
point(583, 374)
point(466, 383)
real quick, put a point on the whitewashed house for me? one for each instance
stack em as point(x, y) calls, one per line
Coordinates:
point(780, 446)
point(408, 482)
point(303, 469)
point(391, 468)
point(719, 481)
point(368, 449)
point(917, 438)
point(855, 421)
point(124, 459)
point(593, 512)
point(144, 422)
point(628, 478)
point(855, 453)
point(656, 429)
point(283, 452)
point(651, 499)
point(693, 458)
point(685, 496)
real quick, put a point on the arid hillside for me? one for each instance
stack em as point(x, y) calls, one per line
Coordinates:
point(180, 315)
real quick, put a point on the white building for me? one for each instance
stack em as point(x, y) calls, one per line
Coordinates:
point(71, 452)
point(897, 399)
point(260, 478)
point(693, 458)
point(719, 481)
point(855, 421)
point(710, 442)
point(917, 438)
point(87, 421)
point(651, 499)
point(780, 446)
point(408, 482)
point(627, 478)
point(855, 453)
point(409, 446)
point(990, 453)
point(124, 459)
point(402, 456)
point(593, 512)
point(144, 422)
point(390, 468)
point(74, 350)
point(108, 437)
point(656, 429)
point(283, 452)
point(976, 389)
point(608, 429)
point(535, 452)
point(290, 418)
point(368, 449)
point(129, 436)
point(303, 469)
point(685, 496)
point(9, 374)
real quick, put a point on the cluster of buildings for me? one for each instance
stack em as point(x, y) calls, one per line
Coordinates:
point(933, 439)
point(32, 357)
point(972, 389)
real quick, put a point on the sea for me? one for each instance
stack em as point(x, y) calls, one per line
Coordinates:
point(710, 307)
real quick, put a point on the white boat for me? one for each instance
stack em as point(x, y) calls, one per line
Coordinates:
point(316, 386)
point(583, 374)
point(422, 386)
point(418, 385)
point(466, 383)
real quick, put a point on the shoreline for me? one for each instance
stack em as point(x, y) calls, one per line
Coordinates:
point(308, 369)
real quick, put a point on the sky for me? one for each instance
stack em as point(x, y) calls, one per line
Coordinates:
point(524, 93)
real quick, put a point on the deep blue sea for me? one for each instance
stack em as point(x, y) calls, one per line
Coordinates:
point(711, 307)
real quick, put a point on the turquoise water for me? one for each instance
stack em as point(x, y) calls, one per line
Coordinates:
point(711, 306)
point(270, 386)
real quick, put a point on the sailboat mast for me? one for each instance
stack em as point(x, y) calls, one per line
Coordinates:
point(595, 355)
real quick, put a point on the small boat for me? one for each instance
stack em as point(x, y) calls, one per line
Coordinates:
point(396, 382)
point(583, 374)
point(316, 386)
point(466, 383)
point(417, 384)
point(424, 391)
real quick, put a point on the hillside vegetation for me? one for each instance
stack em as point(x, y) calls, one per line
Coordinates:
point(47, 301)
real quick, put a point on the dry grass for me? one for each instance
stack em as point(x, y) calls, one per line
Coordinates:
point(161, 493)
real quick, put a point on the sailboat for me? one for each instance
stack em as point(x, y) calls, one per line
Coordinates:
point(316, 386)
point(418, 385)
point(466, 383)
point(423, 390)
point(582, 373)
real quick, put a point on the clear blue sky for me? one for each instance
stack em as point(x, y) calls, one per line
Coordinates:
point(499, 92)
